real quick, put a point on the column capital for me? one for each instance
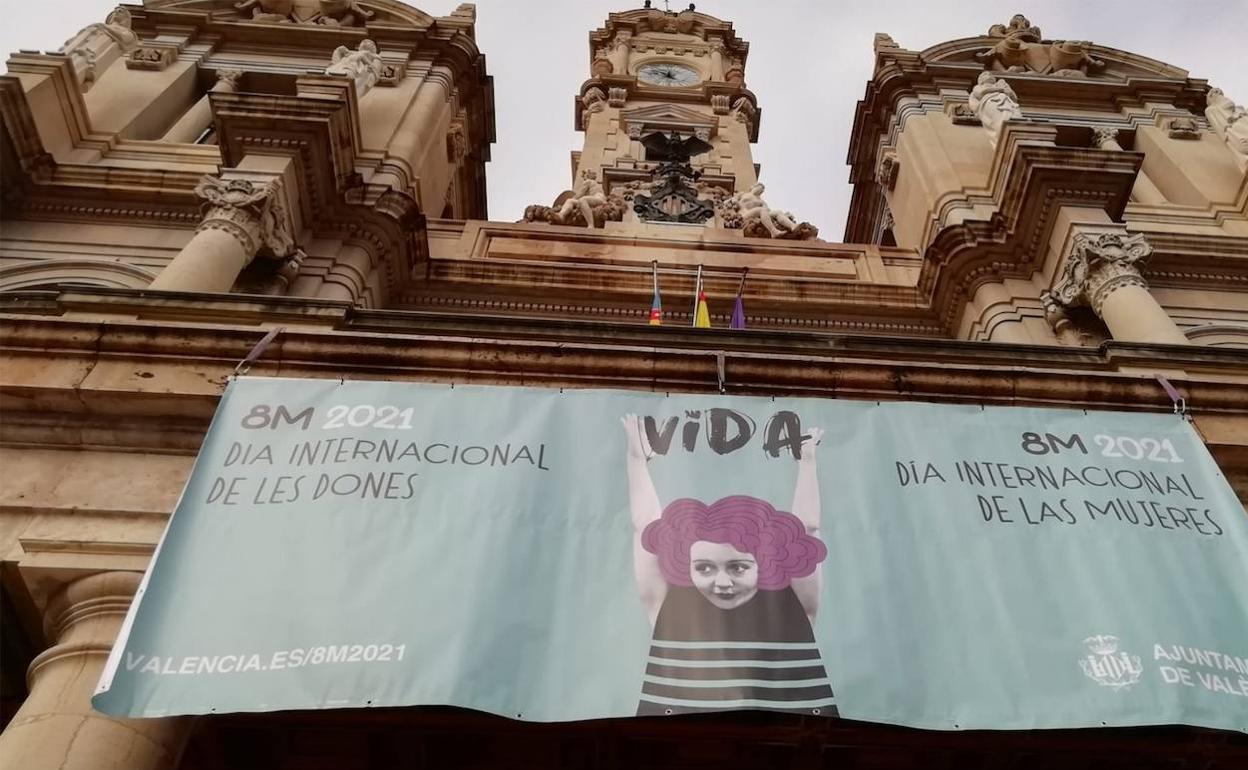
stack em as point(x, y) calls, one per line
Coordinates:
point(1105, 138)
point(227, 79)
point(1099, 265)
point(253, 213)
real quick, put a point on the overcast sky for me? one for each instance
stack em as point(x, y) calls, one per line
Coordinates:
point(809, 63)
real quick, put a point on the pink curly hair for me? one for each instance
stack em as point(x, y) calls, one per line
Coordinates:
point(777, 539)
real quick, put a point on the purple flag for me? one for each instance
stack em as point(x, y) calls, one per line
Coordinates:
point(738, 314)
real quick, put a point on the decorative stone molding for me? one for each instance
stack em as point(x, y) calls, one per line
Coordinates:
point(720, 104)
point(635, 130)
point(886, 173)
point(994, 103)
point(702, 133)
point(1183, 128)
point(617, 96)
point(149, 57)
point(883, 41)
point(363, 65)
point(1098, 266)
point(253, 214)
point(98, 45)
point(1022, 49)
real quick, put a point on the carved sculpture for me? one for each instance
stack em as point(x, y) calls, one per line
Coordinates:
point(593, 101)
point(994, 102)
point(1229, 121)
point(750, 212)
point(267, 11)
point(1098, 266)
point(587, 192)
point(1022, 49)
point(1072, 326)
point(963, 115)
point(151, 58)
point(886, 173)
point(363, 65)
point(343, 13)
point(456, 144)
point(601, 64)
point(585, 205)
point(745, 112)
point(1183, 128)
point(250, 212)
point(98, 45)
point(660, 21)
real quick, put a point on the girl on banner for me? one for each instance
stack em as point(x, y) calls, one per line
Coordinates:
point(731, 589)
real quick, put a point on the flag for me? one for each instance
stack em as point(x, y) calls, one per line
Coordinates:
point(656, 307)
point(701, 314)
point(738, 308)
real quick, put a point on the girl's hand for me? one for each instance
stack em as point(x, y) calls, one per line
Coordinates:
point(635, 436)
point(809, 443)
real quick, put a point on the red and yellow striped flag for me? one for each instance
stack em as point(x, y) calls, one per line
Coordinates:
point(656, 307)
point(701, 313)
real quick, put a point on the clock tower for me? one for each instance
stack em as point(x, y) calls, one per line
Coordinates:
point(668, 121)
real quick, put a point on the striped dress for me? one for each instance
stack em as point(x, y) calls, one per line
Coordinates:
point(761, 655)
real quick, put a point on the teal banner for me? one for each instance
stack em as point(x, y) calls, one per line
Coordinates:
point(549, 555)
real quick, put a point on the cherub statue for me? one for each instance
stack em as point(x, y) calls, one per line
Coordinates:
point(343, 13)
point(752, 208)
point(994, 102)
point(587, 205)
point(270, 11)
point(362, 65)
point(587, 192)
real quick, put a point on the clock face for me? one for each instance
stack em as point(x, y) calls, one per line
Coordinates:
point(665, 74)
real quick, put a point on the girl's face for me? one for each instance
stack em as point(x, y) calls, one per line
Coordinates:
point(727, 577)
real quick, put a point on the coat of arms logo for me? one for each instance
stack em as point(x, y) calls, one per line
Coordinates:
point(1107, 666)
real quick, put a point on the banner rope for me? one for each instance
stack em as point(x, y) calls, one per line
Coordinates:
point(1176, 398)
point(257, 351)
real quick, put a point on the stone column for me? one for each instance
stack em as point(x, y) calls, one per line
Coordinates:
point(56, 728)
point(1103, 272)
point(241, 218)
point(1144, 190)
point(195, 121)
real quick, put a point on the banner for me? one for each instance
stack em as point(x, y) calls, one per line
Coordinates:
point(549, 556)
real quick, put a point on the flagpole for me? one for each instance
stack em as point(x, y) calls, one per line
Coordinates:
point(654, 274)
point(697, 292)
point(741, 286)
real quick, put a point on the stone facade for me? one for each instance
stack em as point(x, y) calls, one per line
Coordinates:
point(1034, 223)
